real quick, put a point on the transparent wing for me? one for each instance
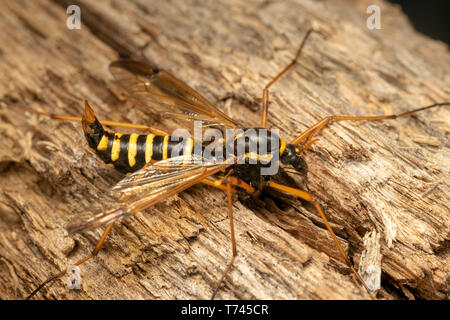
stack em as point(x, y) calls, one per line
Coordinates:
point(152, 184)
point(166, 96)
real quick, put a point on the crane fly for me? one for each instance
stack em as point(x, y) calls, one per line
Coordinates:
point(154, 174)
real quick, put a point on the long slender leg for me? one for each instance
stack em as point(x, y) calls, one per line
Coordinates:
point(233, 242)
point(320, 125)
point(213, 183)
point(265, 94)
point(218, 183)
point(153, 130)
point(228, 181)
point(62, 273)
point(241, 184)
point(310, 198)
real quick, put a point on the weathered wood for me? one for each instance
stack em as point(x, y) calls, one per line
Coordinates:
point(389, 178)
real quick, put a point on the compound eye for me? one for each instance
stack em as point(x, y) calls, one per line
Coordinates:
point(300, 165)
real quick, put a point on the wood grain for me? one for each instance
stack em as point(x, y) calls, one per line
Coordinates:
point(382, 184)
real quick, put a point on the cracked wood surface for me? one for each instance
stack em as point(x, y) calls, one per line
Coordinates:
point(383, 185)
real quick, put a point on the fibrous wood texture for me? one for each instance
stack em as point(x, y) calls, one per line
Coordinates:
point(383, 185)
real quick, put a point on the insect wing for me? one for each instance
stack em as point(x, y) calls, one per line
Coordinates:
point(166, 95)
point(152, 184)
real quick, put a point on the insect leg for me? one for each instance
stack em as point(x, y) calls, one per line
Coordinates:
point(62, 273)
point(320, 125)
point(265, 94)
point(233, 242)
point(213, 183)
point(153, 130)
point(229, 180)
point(241, 184)
point(310, 198)
point(218, 183)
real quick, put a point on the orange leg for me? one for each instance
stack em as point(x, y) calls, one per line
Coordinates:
point(310, 198)
point(213, 183)
point(153, 130)
point(228, 181)
point(231, 180)
point(320, 125)
point(265, 94)
point(92, 255)
point(233, 243)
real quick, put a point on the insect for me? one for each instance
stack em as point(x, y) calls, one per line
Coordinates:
point(154, 174)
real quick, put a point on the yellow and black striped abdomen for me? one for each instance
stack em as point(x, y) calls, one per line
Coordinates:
point(130, 152)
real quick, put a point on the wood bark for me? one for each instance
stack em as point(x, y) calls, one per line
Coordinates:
point(383, 185)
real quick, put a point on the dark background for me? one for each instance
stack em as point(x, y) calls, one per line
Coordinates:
point(428, 17)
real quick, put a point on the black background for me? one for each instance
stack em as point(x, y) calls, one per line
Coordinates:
point(149, 310)
point(428, 17)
